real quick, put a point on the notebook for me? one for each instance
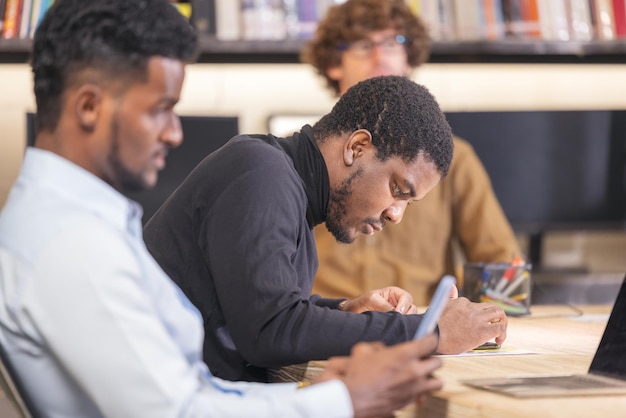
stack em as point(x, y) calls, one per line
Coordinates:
point(606, 375)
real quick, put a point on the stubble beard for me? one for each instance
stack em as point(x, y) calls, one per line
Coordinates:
point(337, 210)
point(125, 179)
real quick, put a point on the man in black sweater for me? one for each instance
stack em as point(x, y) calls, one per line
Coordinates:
point(237, 235)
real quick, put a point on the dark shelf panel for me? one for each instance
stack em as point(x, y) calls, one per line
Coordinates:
point(287, 51)
point(508, 51)
point(249, 52)
point(527, 51)
point(15, 51)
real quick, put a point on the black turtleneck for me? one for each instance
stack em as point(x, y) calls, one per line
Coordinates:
point(237, 238)
point(310, 165)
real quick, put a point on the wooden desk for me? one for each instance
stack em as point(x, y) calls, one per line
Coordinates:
point(565, 344)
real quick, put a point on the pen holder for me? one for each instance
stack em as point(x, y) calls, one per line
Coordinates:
point(504, 284)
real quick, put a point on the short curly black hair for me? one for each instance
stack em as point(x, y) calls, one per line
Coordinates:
point(113, 38)
point(402, 116)
point(355, 20)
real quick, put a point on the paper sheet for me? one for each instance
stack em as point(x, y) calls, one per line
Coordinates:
point(502, 351)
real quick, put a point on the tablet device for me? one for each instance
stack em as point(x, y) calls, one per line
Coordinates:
point(440, 299)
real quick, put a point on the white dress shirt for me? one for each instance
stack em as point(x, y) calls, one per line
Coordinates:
point(93, 325)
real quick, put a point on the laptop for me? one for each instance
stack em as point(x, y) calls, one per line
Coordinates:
point(606, 375)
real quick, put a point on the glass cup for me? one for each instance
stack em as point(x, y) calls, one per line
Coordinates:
point(506, 285)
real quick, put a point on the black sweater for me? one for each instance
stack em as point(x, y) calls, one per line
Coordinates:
point(237, 238)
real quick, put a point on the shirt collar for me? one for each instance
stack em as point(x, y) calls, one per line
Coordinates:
point(83, 188)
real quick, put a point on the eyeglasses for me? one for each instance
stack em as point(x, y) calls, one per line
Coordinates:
point(365, 47)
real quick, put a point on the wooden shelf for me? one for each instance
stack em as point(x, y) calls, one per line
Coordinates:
point(528, 51)
point(15, 51)
point(287, 51)
point(509, 51)
point(249, 52)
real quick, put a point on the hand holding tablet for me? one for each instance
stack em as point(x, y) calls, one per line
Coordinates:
point(433, 313)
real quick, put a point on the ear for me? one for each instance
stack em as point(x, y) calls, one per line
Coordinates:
point(88, 105)
point(357, 144)
point(335, 73)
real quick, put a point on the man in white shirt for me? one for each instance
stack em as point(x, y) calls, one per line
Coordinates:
point(91, 324)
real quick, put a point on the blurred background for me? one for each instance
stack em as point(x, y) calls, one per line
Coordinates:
point(487, 57)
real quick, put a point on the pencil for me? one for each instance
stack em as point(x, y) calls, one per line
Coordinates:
point(508, 274)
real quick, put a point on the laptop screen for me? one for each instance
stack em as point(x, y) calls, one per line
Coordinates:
point(610, 359)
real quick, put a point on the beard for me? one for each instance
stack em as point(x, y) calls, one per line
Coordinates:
point(125, 179)
point(337, 211)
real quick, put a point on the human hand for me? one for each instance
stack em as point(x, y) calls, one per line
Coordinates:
point(454, 292)
point(465, 325)
point(335, 369)
point(390, 298)
point(383, 379)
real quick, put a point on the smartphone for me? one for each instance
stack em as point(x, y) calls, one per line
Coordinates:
point(489, 345)
point(440, 299)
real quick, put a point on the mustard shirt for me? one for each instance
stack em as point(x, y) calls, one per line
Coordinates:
point(416, 253)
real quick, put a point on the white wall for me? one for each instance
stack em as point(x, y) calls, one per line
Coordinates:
point(253, 92)
point(15, 98)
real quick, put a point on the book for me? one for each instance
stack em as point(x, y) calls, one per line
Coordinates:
point(430, 13)
point(307, 18)
point(292, 24)
point(12, 15)
point(34, 17)
point(603, 18)
point(513, 20)
point(493, 19)
point(530, 26)
point(447, 19)
point(322, 6)
point(27, 6)
point(468, 23)
point(521, 19)
point(38, 13)
point(580, 20)
point(619, 17)
point(227, 20)
point(263, 19)
point(183, 6)
point(203, 16)
point(553, 20)
point(3, 4)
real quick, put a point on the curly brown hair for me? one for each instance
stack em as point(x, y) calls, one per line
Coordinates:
point(355, 20)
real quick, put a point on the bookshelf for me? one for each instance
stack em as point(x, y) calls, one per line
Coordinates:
point(215, 51)
point(518, 31)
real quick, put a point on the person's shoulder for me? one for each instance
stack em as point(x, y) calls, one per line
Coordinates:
point(241, 155)
point(466, 165)
point(259, 153)
point(461, 145)
point(259, 147)
point(463, 151)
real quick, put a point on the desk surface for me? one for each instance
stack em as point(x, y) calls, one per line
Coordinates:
point(565, 344)
point(563, 341)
